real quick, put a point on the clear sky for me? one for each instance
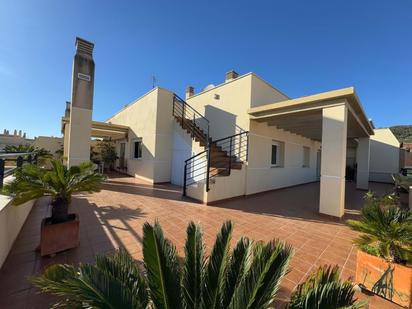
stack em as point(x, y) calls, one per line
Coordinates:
point(301, 47)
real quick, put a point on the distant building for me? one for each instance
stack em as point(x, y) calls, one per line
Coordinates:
point(15, 139)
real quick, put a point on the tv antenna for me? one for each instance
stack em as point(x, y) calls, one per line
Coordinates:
point(154, 81)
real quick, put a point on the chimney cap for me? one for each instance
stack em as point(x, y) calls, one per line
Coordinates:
point(83, 46)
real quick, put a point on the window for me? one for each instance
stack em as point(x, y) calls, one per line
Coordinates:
point(275, 158)
point(137, 149)
point(306, 156)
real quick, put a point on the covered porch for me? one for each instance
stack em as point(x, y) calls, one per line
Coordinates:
point(337, 120)
point(99, 130)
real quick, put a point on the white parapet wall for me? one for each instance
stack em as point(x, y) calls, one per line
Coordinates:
point(12, 219)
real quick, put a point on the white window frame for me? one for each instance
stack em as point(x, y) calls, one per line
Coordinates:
point(278, 148)
point(134, 141)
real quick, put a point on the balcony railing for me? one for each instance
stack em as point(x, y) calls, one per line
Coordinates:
point(10, 161)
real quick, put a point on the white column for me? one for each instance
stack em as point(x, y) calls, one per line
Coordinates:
point(362, 159)
point(79, 136)
point(332, 179)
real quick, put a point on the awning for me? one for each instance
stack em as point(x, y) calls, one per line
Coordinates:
point(303, 115)
point(104, 129)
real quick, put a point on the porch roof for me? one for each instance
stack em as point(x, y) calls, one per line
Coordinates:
point(104, 129)
point(303, 115)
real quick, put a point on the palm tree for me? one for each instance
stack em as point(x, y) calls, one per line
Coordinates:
point(60, 183)
point(323, 289)
point(41, 154)
point(246, 277)
point(386, 229)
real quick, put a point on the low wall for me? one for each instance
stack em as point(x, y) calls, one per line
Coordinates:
point(12, 219)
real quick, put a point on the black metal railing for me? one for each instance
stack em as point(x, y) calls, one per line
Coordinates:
point(191, 120)
point(236, 148)
point(195, 169)
point(10, 161)
point(218, 159)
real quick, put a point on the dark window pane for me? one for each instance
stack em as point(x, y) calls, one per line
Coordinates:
point(137, 150)
point(274, 154)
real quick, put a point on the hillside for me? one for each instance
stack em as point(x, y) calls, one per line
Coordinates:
point(402, 133)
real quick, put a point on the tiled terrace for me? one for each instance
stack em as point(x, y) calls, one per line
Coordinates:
point(114, 218)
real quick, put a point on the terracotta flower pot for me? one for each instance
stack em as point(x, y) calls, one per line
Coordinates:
point(59, 236)
point(389, 280)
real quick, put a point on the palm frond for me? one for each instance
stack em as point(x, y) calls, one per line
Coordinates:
point(260, 285)
point(193, 267)
point(216, 268)
point(323, 289)
point(125, 270)
point(238, 267)
point(95, 286)
point(162, 268)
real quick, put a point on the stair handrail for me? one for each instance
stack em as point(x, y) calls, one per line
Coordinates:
point(235, 140)
point(195, 117)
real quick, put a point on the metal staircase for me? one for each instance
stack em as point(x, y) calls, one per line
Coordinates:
point(219, 158)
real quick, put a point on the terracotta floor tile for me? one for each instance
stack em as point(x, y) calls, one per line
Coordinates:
point(115, 216)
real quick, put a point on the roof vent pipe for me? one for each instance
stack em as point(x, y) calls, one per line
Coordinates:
point(231, 75)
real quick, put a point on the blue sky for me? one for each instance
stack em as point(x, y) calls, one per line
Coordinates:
point(301, 47)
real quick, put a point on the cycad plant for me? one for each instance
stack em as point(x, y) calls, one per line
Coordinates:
point(323, 289)
point(32, 182)
point(386, 229)
point(41, 154)
point(246, 277)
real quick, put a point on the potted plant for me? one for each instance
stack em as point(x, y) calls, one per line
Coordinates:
point(385, 248)
point(402, 184)
point(246, 277)
point(108, 154)
point(60, 231)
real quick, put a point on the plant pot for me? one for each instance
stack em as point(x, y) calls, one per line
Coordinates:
point(404, 199)
point(389, 280)
point(59, 236)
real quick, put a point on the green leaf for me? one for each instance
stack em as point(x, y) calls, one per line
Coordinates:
point(323, 289)
point(238, 267)
point(193, 268)
point(216, 268)
point(261, 283)
point(162, 268)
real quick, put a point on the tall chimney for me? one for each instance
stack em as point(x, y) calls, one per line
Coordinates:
point(79, 133)
point(15, 132)
point(231, 75)
point(190, 91)
point(20, 133)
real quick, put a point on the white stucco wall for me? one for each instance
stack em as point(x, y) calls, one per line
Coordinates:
point(149, 118)
point(384, 156)
point(261, 176)
point(12, 219)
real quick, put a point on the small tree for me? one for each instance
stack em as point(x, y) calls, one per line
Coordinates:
point(108, 153)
